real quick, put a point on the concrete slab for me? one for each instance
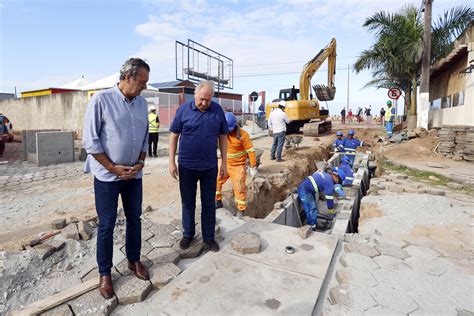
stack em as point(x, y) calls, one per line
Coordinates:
point(274, 274)
point(54, 147)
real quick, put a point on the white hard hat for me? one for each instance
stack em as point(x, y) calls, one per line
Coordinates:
point(282, 103)
point(152, 108)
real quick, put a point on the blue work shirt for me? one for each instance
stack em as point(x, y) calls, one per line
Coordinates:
point(325, 184)
point(350, 145)
point(117, 128)
point(348, 173)
point(338, 144)
point(199, 132)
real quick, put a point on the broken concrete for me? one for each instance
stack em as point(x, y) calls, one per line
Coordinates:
point(58, 223)
point(246, 243)
point(93, 303)
point(85, 230)
point(130, 289)
point(70, 232)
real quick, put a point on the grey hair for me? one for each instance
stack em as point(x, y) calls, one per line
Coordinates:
point(132, 66)
point(205, 83)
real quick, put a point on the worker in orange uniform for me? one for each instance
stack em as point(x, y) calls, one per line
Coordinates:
point(239, 147)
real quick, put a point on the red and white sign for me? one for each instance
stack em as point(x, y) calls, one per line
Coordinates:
point(394, 93)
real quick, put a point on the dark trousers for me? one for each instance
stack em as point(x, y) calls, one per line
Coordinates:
point(106, 200)
point(277, 147)
point(188, 179)
point(152, 140)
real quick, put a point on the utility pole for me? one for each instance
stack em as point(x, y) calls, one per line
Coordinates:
point(348, 72)
point(424, 106)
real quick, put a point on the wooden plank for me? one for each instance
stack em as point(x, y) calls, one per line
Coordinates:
point(57, 299)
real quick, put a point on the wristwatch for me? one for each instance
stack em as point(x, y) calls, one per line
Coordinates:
point(142, 162)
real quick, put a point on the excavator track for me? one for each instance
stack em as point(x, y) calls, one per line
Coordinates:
point(317, 128)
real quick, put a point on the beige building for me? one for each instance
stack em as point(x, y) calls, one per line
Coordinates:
point(452, 84)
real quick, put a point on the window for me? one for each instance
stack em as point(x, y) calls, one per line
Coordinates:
point(446, 102)
point(458, 98)
point(436, 104)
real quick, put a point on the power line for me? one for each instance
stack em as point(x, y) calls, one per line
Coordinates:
point(280, 73)
point(285, 63)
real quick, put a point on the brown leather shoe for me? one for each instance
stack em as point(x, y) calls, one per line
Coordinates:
point(140, 271)
point(106, 288)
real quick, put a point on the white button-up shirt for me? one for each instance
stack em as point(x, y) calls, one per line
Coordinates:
point(277, 121)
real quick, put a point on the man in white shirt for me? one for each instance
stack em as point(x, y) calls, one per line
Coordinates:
point(277, 123)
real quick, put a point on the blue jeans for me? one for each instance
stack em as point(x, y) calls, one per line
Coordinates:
point(106, 201)
point(278, 141)
point(188, 179)
point(308, 200)
point(389, 128)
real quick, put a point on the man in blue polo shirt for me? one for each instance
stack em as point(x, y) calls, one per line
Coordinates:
point(198, 125)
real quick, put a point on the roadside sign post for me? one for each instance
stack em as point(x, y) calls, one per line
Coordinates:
point(394, 93)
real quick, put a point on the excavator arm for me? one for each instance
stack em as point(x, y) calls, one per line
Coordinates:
point(323, 93)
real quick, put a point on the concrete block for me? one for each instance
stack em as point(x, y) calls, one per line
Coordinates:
point(61, 310)
point(163, 255)
point(85, 230)
point(391, 250)
point(393, 299)
point(435, 191)
point(194, 250)
point(356, 277)
point(395, 188)
point(57, 242)
point(54, 147)
point(246, 243)
point(162, 274)
point(93, 303)
point(355, 260)
point(304, 231)
point(352, 296)
point(455, 186)
point(361, 248)
point(58, 223)
point(146, 234)
point(70, 232)
point(130, 289)
point(162, 241)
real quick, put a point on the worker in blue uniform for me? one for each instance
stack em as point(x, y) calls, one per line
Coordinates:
point(338, 144)
point(309, 189)
point(346, 170)
point(350, 145)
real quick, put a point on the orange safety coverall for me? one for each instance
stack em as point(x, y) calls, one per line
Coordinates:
point(239, 146)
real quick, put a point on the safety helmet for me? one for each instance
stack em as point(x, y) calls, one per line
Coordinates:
point(389, 102)
point(152, 108)
point(340, 173)
point(231, 121)
point(339, 133)
point(351, 132)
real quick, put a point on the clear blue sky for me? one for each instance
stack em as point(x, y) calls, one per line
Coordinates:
point(47, 43)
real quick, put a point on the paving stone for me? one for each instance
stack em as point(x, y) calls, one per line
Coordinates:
point(43, 251)
point(162, 241)
point(395, 188)
point(123, 269)
point(393, 299)
point(195, 249)
point(146, 234)
point(391, 263)
point(355, 260)
point(403, 279)
point(356, 277)
point(57, 242)
point(145, 249)
point(391, 239)
point(246, 243)
point(163, 255)
point(391, 250)
point(304, 231)
point(380, 310)
point(61, 310)
point(93, 303)
point(340, 310)
point(421, 252)
point(94, 274)
point(420, 240)
point(58, 223)
point(361, 248)
point(455, 186)
point(435, 191)
point(352, 296)
point(70, 232)
point(427, 265)
point(162, 274)
point(161, 229)
point(85, 230)
point(130, 289)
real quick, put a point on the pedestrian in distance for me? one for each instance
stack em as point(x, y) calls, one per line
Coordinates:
point(153, 127)
point(199, 125)
point(368, 114)
point(350, 115)
point(277, 123)
point(343, 116)
point(239, 148)
point(116, 140)
point(359, 115)
point(389, 118)
point(382, 116)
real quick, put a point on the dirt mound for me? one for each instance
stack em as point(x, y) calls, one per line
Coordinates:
point(417, 149)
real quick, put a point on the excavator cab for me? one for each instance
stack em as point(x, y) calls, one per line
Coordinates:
point(289, 94)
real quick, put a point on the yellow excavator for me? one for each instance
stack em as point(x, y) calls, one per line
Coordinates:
point(302, 109)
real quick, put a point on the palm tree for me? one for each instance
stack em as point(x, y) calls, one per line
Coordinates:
point(395, 57)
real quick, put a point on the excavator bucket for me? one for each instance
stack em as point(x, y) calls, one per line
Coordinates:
point(324, 93)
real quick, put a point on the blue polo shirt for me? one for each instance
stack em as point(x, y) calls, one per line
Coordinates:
point(199, 133)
